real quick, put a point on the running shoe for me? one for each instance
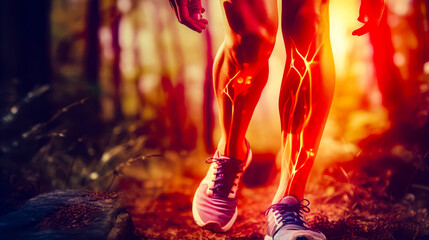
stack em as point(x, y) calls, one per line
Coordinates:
point(286, 221)
point(215, 202)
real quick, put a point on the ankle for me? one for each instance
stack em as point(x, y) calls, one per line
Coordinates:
point(236, 152)
point(297, 197)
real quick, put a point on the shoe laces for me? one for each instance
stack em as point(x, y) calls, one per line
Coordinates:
point(226, 173)
point(290, 213)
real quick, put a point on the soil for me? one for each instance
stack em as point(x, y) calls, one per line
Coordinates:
point(346, 209)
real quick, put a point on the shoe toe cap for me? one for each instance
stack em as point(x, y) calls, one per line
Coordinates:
point(209, 210)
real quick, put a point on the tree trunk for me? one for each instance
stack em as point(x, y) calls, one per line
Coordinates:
point(92, 53)
point(91, 66)
point(25, 43)
point(25, 63)
point(208, 114)
point(116, 74)
point(388, 76)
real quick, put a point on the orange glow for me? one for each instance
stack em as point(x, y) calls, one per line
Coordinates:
point(290, 138)
point(249, 80)
point(148, 52)
point(236, 87)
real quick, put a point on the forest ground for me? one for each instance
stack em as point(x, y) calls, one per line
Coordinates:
point(352, 206)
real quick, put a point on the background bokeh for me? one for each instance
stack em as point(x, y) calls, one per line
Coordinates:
point(91, 88)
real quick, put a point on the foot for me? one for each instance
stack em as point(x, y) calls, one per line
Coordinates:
point(215, 202)
point(286, 221)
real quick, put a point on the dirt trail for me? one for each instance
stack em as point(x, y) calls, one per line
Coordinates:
point(340, 210)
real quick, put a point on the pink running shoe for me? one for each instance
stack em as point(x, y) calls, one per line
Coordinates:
point(215, 202)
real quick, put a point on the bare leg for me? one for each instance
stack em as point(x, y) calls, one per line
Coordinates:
point(306, 92)
point(241, 68)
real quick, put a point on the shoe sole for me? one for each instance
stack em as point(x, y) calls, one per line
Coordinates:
point(301, 237)
point(210, 225)
point(297, 238)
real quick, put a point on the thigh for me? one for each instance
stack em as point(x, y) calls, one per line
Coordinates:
point(250, 16)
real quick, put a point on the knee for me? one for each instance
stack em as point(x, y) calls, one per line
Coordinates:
point(302, 20)
point(253, 46)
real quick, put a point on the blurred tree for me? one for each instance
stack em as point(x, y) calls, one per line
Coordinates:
point(24, 49)
point(116, 70)
point(421, 23)
point(91, 63)
point(92, 53)
point(388, 75)
point(403, 96)
point(25, 66)
point(182, 132)
point(419, 63)
point(25, 52)
point(208, 113)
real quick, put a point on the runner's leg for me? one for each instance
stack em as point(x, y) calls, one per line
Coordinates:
point(241, 68)
point(306, 92)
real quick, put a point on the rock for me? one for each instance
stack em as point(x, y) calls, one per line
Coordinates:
point(69, 214)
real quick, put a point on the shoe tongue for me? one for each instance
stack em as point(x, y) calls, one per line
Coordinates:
point(289, 200)
point(218, 156)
